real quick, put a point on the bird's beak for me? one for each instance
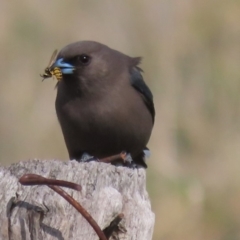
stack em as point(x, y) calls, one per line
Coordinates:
point(66, 68)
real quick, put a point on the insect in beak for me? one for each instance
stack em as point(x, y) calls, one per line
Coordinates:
point(57, 68)
point(50, 70)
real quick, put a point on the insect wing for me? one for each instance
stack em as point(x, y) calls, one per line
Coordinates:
point(53, 58)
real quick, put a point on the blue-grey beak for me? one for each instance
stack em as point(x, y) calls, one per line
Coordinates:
point(66, 68)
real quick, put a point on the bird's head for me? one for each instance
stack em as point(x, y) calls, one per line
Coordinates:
point(92, 63)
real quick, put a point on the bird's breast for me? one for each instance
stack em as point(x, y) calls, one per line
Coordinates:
point(104, 126)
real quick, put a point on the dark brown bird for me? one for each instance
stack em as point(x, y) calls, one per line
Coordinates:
point(103, 104)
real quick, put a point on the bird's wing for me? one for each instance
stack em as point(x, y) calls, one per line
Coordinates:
point(139, 84)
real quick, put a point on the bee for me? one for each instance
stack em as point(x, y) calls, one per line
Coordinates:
point(50, 71)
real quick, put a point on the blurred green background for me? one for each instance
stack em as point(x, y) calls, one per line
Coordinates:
point(191, 51)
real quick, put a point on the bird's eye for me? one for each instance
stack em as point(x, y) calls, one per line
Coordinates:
point(83, 59)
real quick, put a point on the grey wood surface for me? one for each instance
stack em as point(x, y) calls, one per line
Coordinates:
point(37, 212)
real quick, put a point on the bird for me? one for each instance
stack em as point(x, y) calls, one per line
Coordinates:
point(103, 104)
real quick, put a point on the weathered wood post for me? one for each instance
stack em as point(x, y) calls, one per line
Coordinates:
point(37, 212)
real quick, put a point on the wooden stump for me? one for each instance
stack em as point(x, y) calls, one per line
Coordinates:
point(37, 212)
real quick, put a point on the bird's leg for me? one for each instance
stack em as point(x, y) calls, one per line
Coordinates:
point(121, 159)
point(118, 157)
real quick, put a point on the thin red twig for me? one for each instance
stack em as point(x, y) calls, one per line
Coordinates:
point(80, 209)
point(34, 179)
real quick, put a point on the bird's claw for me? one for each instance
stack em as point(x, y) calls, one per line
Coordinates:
point(122, 159)
point(88, 158)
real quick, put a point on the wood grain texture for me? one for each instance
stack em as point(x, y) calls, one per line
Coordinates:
point(36, 212)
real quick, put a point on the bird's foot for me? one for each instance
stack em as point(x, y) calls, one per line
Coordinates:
point(121, 159)
point(134, 165)
point(118, 158)
point(88, 158)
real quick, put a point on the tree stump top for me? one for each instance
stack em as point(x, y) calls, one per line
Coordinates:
point(37, 212)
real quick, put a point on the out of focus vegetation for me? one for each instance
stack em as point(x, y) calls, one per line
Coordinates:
point(191, 53)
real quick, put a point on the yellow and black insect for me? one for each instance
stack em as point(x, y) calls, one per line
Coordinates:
point(52, 71)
